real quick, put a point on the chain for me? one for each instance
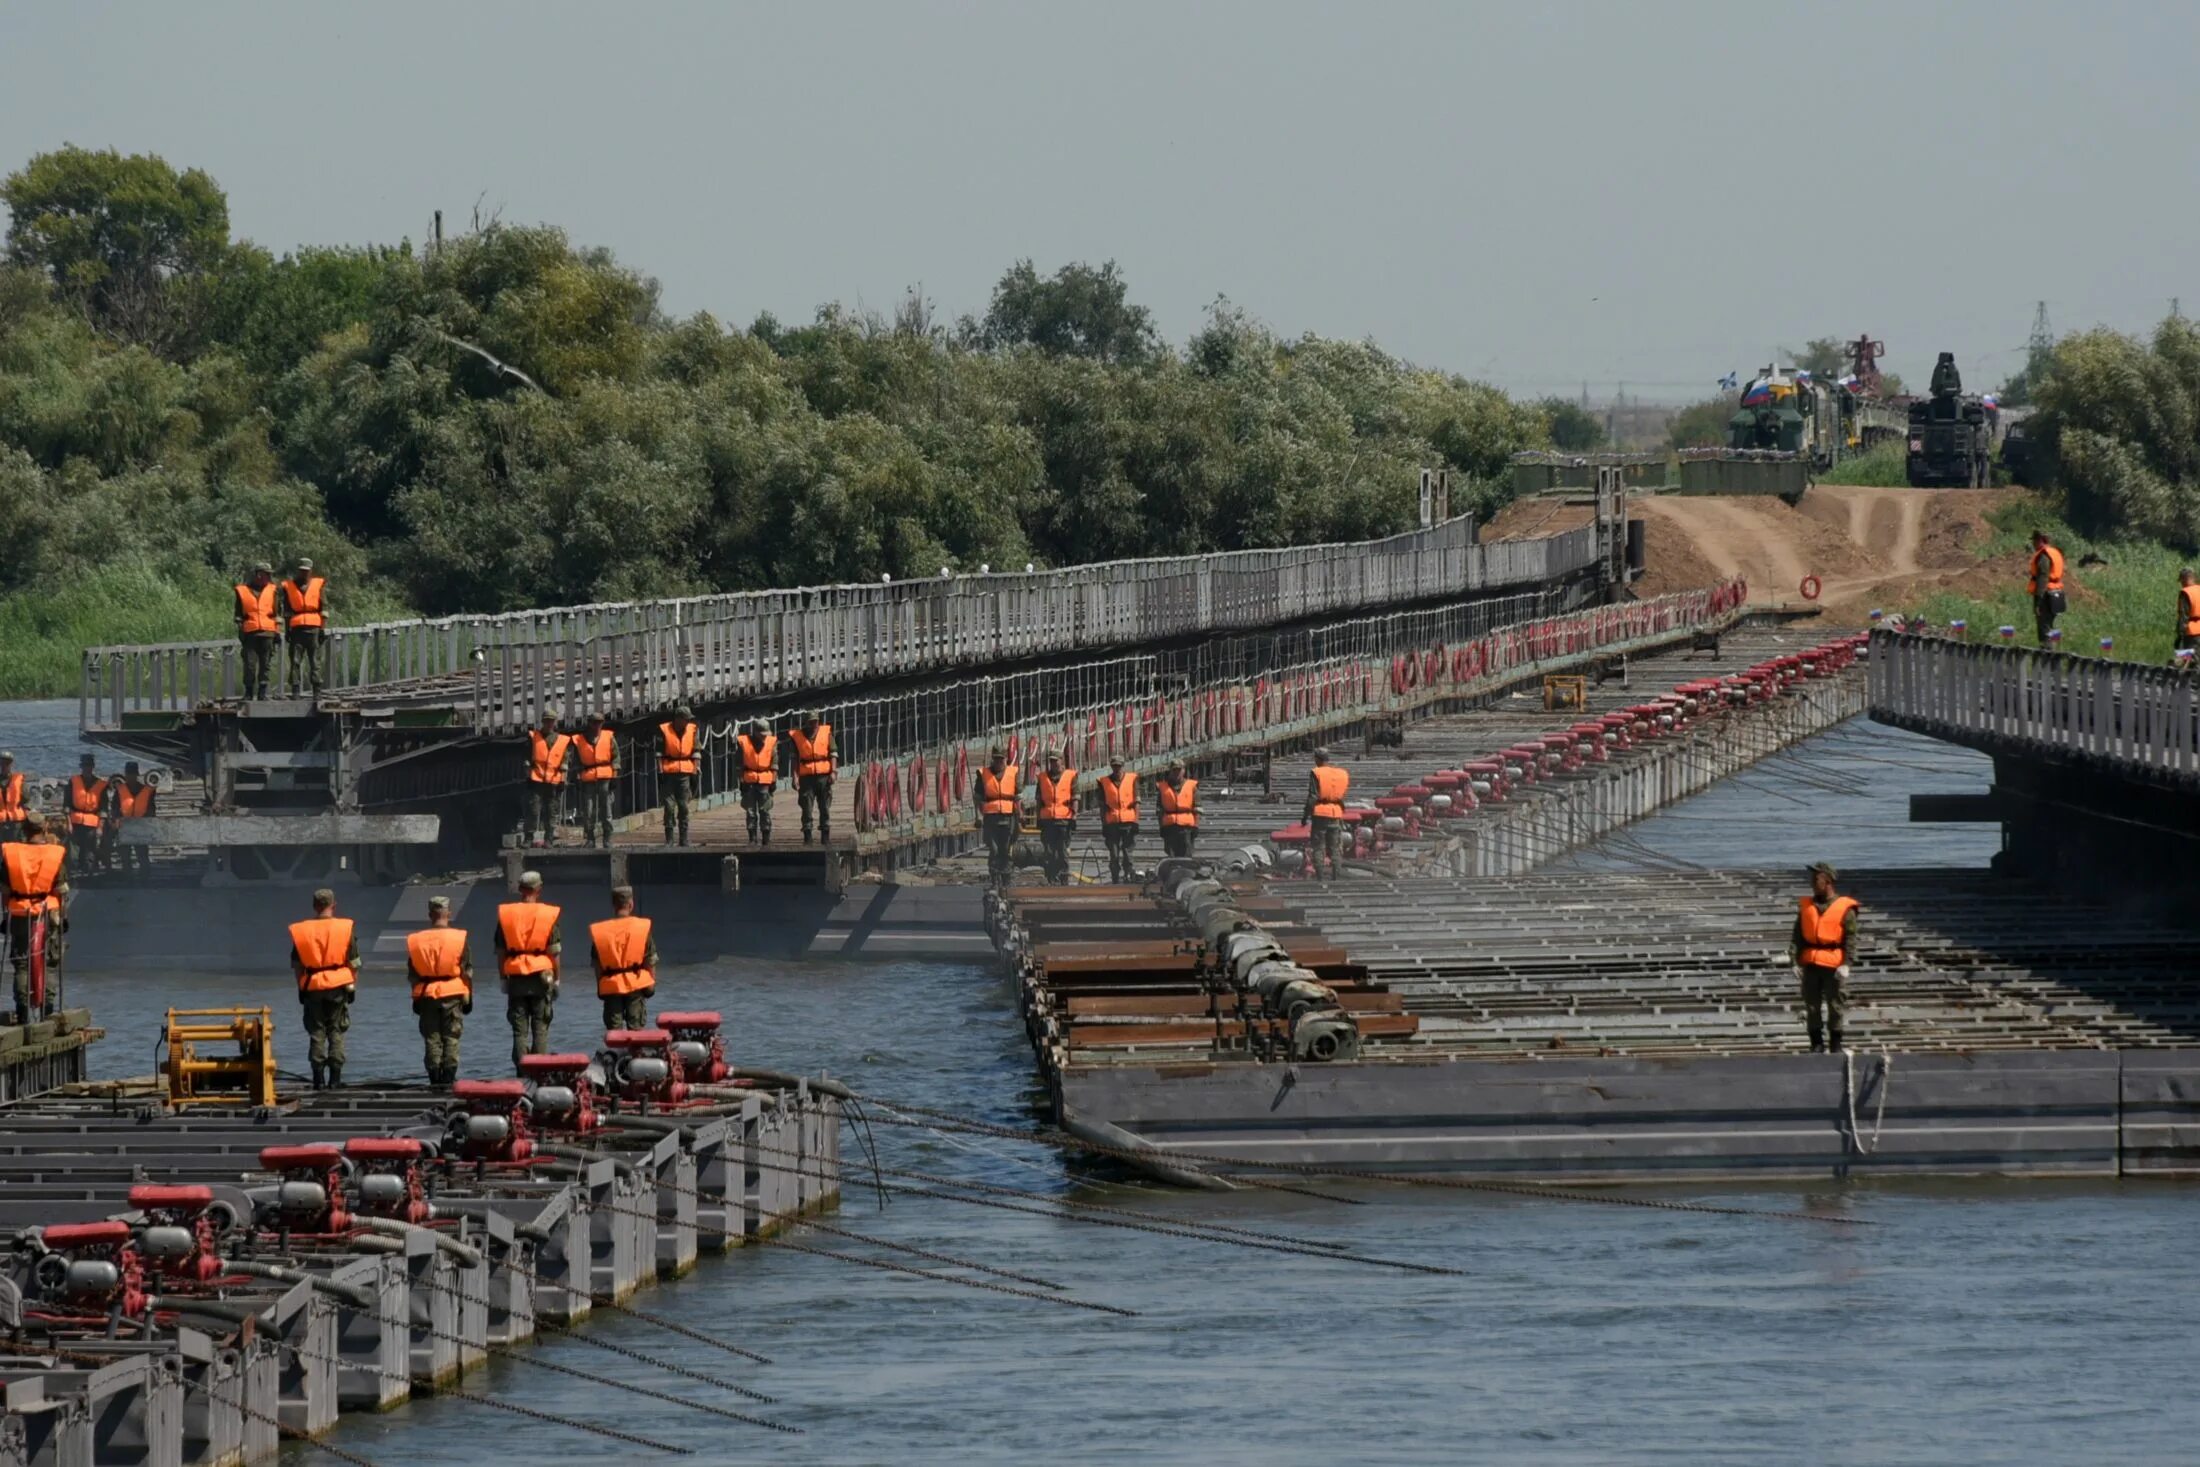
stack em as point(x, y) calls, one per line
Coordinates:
point(948, 1278)
point(281, 1428)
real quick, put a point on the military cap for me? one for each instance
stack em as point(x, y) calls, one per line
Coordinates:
point(622, 894)
point(439, 904)
point(683, 711)
point(262, 568)
point(304, 564)
point(33, 821)
point(324, 897)
point(530, 881)
point(1825, 869)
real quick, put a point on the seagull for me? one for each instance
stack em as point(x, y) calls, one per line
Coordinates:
point(501, 368)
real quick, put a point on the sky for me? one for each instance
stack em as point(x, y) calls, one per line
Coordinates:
point(1645, 195)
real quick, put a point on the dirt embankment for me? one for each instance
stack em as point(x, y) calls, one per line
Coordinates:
point(1867, 546)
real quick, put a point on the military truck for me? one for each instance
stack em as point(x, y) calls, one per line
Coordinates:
point(1951, 435)
point(1785, 411)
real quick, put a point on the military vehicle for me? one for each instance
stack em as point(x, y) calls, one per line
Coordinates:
point(1786, 411)
point(1951, 436)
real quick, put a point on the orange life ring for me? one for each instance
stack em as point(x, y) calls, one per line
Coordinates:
point(1810, 588)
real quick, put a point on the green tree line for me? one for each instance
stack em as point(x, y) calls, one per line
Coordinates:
point(505, 419)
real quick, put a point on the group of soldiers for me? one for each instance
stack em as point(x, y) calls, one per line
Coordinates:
point(591, 759)
point(998, 795)
point(293, 613)
point(96, 809)
point(529, 949)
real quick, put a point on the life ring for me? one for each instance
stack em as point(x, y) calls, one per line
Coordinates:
point(962, 767)
point(1404, 674)
point(1432, 666)
point(1810, 588)
point(862, 811)
point(1471, 658)
point(1741, 591)
point(918, 784)
point(947, 787)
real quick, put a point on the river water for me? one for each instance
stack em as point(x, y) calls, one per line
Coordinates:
point(1974, 1322)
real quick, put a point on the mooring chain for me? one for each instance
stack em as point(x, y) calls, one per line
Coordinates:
point(915, 1252)
point(947, 1278)
point(281, 1428)
point(670, 1326)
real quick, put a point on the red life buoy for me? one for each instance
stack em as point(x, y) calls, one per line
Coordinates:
point(1404, 674)
point(947, 788)
point(862, 810)
point(917, 785)
point(1474, 657)
point(962, 769)
point(1432, 666)
point(1741, 590)
point(1810, 588)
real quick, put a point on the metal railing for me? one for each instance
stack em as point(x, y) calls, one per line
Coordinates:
point(2124, 715)
point(497, 674)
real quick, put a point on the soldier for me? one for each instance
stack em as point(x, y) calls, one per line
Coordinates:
point(257, 628)
point(676, 770)
point(12, 808)
point(2188, 635)
point(305, 624)
point(527, 961)
point(1119, 819)
point(598, 750)
point(759, 750)
point(87, 814)
point(1324, 814)
point(994, 793)
point(442, 973)
point(1819, 949)
point(1057, 811)
point(35, 871)
point(324, 958)
point(2046, 585)
point(626, 963)
point(547, 750)
point(132, 799)
point(1178, 799)
point(813, 775)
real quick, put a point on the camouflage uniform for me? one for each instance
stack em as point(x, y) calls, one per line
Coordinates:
point(530, 1001)
point(19, 941)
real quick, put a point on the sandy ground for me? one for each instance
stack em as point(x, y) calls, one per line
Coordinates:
point(1868, 546)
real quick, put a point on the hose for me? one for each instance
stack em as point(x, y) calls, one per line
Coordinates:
point(464, 1253)
point(351, 1294)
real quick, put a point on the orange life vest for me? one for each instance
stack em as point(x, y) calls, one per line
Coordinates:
point(1176, 803)
point(133, 804)
point(678, 753)
point(324, 951)
point(598, 756)
point(812, 756)
point(526, 927)
point(999, 791)
point(547, 761)
point(2054, 559)
point(1330, 783)
point(304, 605)
point(437, 955)
point(621, 944)
point(1119, 799)
point(1822, 944)
point(11, 798)
point(32, 872)
point(2190, 595)
point(1058, 795)
point(256, 610)
point(85, 800)
point(759, 761)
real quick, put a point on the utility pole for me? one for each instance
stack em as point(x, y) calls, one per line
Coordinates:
point(2043, 336)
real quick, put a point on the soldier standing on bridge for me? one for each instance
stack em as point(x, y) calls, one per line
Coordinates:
point(676, 770)
point(324, 958)
point(1057, 810)
point(87, 814)
point(547, 752)
point(257, 628)
point(1119, 819)
point(759, 749)
point(995, 793)
point(2046, 585)
point(813, 775)
point(442, 973)
point(1177, 796)
point(12, 808)
point(528, 946)
point(626, 963)
point(1324, 813)
point(2188, 632)
point(305, 624)
point(132, 799)
point(35, 872)
point(1819, 950)
point(598, 751)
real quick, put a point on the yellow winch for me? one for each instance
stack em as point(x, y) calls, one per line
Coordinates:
point(244, 1078)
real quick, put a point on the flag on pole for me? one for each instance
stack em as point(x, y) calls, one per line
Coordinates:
point(1730, 381)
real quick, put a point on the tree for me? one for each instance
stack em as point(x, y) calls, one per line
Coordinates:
point(1573, 428)
point(1702, 424)
point(2118, 423)
point(1078, 312)
point(1824, 357)
point(128, 240)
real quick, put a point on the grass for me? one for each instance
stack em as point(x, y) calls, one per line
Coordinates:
point(2132, 597)
point(1886, 465)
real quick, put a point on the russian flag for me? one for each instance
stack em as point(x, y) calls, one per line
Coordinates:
point(1759, 393)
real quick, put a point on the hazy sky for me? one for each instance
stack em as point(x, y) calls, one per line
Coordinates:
point(1646, 193)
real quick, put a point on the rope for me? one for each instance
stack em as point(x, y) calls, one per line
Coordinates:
point(1848, 1095)
point(948, 1278)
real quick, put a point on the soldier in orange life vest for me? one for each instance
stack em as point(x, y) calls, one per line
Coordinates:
point(257, 627)
point(1178, 798)
point(626, 963)
point(1056, 794)
point(547, 752)
point(324, 958)
point(759, 751)
point(1119, 820)
point(442, 974)
point(1324, 814)
point(2046, 584)
point(34, 870)
point(676, 769)
point(1819, 950)
point(2188, 629)
point(87, 815)
point(305, 629)
point(12, 808)
point(813, 775)
point(994, 792)
point(131, 799)
point(598, 752)
point(528, 949)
